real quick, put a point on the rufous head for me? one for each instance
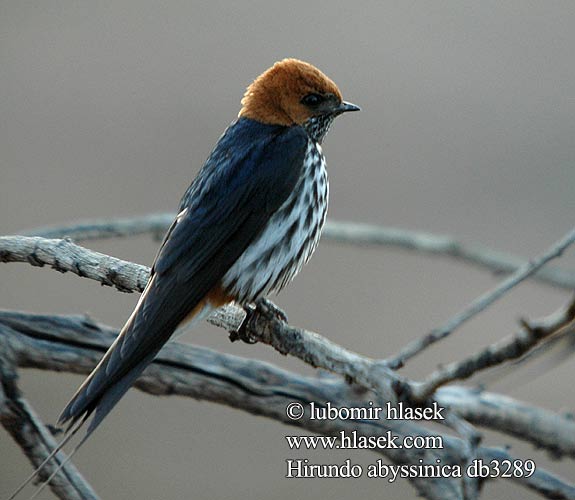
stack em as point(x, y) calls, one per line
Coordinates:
point(292, 92)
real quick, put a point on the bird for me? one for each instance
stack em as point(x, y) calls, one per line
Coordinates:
point(246, 225)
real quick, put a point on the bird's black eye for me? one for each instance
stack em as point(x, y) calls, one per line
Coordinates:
point(312, 100)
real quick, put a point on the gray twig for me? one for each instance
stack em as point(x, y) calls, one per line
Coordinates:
point(483, 301)
point(514, 347)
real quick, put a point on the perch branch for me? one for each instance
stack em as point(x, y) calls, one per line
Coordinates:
point(308, 346)
point(47, 334)
point(64, 255)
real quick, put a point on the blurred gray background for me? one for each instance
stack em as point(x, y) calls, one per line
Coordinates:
point(109, 108)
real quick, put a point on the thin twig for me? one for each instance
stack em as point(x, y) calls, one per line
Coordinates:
point(335, 231)
point(482, 302)
point(514, 347)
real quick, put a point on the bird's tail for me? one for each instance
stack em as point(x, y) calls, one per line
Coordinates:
point(134, 349)
point(136, 346)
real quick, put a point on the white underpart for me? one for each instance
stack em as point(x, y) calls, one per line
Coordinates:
point(252, 275)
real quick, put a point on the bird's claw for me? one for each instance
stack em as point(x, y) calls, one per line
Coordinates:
point(262, 306)
point(242, 333)
point(268, 308)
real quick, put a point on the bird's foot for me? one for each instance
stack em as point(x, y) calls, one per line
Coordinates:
point(269, 309)
point(261, 306)
point(242, 333)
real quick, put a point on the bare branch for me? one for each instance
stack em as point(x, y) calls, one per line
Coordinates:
point(542, 428)
point(76, 343)
point(63, 255)
point(541, 482)
point(97, 229)
point(21, 421)
point(267, 327)
point(320, 352)
point(514, 347)
point(310, 347)
point(484, 301)
point(335, 231)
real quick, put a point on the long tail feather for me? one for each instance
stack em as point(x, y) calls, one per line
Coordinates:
point(51, 456)
point(133, 350)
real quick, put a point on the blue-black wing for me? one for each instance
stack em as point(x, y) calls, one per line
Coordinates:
point(251, 172)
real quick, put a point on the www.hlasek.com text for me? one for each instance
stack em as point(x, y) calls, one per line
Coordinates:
point(354, 441)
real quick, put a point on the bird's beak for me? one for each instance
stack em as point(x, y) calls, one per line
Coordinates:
point(344, 107)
